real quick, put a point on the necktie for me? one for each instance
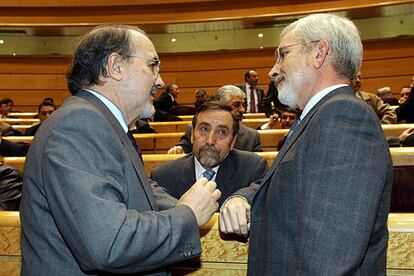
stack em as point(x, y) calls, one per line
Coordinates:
point(252, 101)
point(292, 128)
point(135, 144)
point(209, 174)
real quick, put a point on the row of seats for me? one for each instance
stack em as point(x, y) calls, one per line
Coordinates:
point(160, 142)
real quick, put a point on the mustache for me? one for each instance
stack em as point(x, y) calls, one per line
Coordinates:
point(278, 79)
point(209, 149)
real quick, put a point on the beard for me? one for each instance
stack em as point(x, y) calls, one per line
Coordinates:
point(146, 108)
point(289, 89)
point(208, 156)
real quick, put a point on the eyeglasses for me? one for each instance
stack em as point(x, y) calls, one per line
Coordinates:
point(155, 64)
point(280, 52)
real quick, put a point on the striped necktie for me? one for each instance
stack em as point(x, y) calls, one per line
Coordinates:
point(209, 174)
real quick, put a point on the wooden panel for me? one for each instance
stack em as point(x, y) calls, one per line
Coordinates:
point(32, 81)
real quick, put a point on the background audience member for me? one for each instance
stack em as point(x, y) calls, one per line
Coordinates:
point(201, 97)
point(247, 139)
point(254, 94)
point(406, 139)
point(165, 102)
point(405, 93)
point(13, 149)
point(6, 105)
point(142, 126)
point(405, 112)
point(8, 130)
point(385, 113)
point(213, 137)
point(386, 96)
point(44, 110)
point(271, 103)
point(10, 188)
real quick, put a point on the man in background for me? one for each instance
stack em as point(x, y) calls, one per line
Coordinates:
point(247, 139)
point(44, 110)
point(214, 133)
point(254, 94)
point(385, 113)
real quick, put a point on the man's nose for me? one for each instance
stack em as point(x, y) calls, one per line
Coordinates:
point(274, 71)
point(211, 139)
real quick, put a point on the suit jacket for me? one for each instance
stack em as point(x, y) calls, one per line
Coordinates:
point(405, 112)
point(88, 205)
point(9, 148)
point(31, 131)
point(10, 188)
point(247, 139)
point(238, 170)
point(260, 95)
point(385, 113)
point(322, 207)
point(165, 103)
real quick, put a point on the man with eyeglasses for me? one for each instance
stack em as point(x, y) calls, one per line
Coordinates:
point(215, 129)
point(322, 207)
point(247, 138)
point(88, 207)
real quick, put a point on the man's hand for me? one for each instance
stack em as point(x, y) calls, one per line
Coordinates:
point(175, 150)
point(405, 134)
point(202, 199)
point(235, 216)
point(273, 121)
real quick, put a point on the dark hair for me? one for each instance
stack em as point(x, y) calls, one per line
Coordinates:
point(91, 55)
point(215, 105)
point(201, 92)
point(292, 110)
point(169, 87)
point(247, 74)
point(7, 101)
point(45, 102)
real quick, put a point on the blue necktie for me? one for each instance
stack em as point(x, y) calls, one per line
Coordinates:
point(135, 144)
point(209, 174)
point(292, 128)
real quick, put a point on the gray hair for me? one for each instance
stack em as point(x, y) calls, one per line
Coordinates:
point(227, 92)
point(345, 47)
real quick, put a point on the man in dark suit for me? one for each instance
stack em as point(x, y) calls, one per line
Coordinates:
point(166, 102)
point(247, 139)
point(44, 110)
point(214, 133)
point(254, 94)
point(88, 207)
point(322, 207)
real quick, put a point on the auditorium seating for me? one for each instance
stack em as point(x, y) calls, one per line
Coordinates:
point(222, 254)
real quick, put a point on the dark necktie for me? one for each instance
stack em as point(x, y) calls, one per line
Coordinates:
point(209, 174)
point(135, 144)
point(292, 128)
point(252, 101)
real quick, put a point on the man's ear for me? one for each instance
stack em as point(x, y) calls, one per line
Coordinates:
point(192, 135)
point(115, 66)
point(321, 51)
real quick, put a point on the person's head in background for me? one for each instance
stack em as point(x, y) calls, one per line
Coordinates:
point(232, 96)
point(251, 77)
point(45, 108)
point(5, 107)
point(405, 94)
point(288, 117)
point(384, 92)
point(215, 129)
point(200, 97)
point(356, 83)
point(172, 89)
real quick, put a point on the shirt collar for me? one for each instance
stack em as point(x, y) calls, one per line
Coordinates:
point(199, 169)
point(114, 110)
point(317, 97)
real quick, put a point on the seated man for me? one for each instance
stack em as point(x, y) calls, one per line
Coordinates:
point(405, 93)
point(46, 107)
point(214, 134)
point(385, 113)
point(247, 139)
point(386, 96)
point(287, 118)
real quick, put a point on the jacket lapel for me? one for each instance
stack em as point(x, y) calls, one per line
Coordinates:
point(136, 161)
point(225, 173)
point(187, 174)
